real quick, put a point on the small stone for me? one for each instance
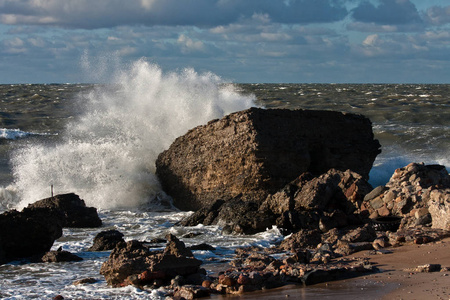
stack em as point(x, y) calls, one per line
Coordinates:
point(383, 211)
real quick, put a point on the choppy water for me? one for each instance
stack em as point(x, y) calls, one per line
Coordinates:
point(101, 141)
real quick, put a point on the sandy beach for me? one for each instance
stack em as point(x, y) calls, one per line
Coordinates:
point(392, 282)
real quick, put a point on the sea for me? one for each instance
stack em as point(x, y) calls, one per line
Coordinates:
point(101, 141)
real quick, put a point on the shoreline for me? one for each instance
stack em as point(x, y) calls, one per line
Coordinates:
point(392, 282)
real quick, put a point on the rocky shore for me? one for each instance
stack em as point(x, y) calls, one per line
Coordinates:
point(304, 172)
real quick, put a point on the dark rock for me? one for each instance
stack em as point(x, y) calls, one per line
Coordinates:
point(176, 247)
point(88, 280)
point(28, 233)
point(75, 211)
point(202, 246)
point(235, 216)
point(106, 240)
point(59, 256)
point(256, 152)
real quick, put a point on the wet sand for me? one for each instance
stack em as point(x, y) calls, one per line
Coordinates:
point(392, 282)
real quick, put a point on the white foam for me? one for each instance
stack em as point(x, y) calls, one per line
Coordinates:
point(107, 156)
point(13, 134)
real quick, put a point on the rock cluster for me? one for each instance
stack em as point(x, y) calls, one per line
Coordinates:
point(418, 193)
point(331, 200)
point(256, 152)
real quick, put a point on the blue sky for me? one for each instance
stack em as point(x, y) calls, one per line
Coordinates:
point(339, 41)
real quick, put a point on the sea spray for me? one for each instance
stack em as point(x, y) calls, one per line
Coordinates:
point(107, 155)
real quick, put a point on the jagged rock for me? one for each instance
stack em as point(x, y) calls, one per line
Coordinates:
point(332, 190)
point(60, 256)
point(256, 152)
point(106, 240)
point(75, 211)
point(133, 263)
point(29, 233)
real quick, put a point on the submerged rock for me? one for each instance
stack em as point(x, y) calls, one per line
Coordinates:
point(256, 152)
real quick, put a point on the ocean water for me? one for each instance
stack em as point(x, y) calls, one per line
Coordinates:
point(101, 141)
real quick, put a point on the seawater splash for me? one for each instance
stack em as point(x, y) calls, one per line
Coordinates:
point(107, 155)
point(13, 134)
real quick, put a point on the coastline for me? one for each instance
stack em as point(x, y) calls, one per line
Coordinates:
point(392, 282)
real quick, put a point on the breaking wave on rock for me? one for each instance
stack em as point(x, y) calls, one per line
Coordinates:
point(107, 154)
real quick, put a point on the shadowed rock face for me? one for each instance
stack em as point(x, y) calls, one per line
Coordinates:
point(256, 152)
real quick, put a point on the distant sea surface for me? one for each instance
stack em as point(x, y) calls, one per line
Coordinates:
point(101, 141)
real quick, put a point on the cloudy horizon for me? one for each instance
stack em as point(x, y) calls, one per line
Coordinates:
point(254, 41)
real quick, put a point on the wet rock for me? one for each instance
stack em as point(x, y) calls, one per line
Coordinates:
point(256, 152)
point(28, 233)
point(235, 216)
point(106, 240)
point(203, 246)
point(59, 256)
point(74, 210)
point(88, 280)
point(133, 263)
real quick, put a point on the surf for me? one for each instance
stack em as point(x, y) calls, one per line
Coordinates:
point(107, 154)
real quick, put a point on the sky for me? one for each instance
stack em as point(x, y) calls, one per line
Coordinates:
point(243, 41)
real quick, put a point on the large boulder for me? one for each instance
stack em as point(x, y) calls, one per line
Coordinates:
point(256, 152)
point(28, 233)
point(74, 210)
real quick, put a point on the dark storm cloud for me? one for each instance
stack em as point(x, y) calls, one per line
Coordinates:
point(387, 12)
point(110, 13)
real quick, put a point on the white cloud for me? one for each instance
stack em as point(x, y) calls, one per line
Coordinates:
point(189, 45)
